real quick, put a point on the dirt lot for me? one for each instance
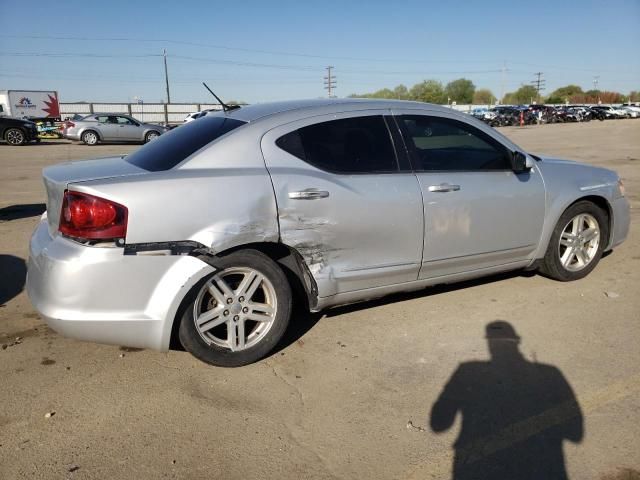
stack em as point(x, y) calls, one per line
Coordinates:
point(337, 401)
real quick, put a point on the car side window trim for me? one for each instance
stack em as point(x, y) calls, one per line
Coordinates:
point(402, 155)
point(412, 151)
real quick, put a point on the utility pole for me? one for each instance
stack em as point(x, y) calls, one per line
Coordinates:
point(539, 84)
point(166, 75)
point(330, 81)
point(502, 76)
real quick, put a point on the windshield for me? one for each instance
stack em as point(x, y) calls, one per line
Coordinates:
point(173, 147)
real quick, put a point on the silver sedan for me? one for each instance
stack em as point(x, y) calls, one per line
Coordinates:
point(208, 233)
point(110, 127)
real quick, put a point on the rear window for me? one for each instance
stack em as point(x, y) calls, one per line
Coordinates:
point(168, 150)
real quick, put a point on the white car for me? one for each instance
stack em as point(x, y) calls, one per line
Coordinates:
point(194, 116)
point(632, 112)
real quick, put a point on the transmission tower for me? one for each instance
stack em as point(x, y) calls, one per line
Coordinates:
point(539, 83)
point(330, 82)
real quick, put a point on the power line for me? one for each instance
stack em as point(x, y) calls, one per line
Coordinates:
point(283, 53)
point(57, 54)
point(226, 47)
point(309, 68)
point(329, 81)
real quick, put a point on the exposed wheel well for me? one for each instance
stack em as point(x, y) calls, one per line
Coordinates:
point(302, 284)
point(301, 281)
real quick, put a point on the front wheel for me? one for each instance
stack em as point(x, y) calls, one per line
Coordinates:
point(577, 242)
point(238, 314)
point(15, 136)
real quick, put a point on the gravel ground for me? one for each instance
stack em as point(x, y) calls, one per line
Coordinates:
point(352, 394)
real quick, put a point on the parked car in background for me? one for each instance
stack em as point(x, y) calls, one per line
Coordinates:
point(110, 127)
point(194, 116)
point(483, 113)
point(610, 112)
point(209, 231)
point(16, 131)
point(631, 112)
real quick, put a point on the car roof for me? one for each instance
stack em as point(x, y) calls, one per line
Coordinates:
point(256, 111)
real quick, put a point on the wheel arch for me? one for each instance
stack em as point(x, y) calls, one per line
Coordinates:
point(91, 129)
point(14, 127)
point(598, 200)
point(302, 283)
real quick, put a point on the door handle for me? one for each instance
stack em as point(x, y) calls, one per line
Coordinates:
point(444, 187)
point(308, 194)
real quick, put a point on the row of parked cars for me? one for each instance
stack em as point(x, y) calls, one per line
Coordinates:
point(506, 115)
point(115, 127)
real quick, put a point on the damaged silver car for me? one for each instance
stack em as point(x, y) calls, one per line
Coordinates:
point(208, 233)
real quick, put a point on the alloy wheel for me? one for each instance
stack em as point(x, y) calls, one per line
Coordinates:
point(579, 242)
point(15, 137)
point(235, 309)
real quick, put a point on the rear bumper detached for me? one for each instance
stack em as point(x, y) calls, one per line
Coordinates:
point(98, 294)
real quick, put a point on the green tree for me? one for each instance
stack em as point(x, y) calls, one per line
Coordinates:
point(460, 90)
point(430, 91)
point(562, 94)
point(401, 92)
point(525, 94)
point(484, 96)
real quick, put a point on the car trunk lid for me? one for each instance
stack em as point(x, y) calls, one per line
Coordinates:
point(57, 179)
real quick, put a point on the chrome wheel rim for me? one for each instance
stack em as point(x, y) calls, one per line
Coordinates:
point(579, 242)
point(90, 138)
point(151, 136)
point(235, 309)
point(15, 137)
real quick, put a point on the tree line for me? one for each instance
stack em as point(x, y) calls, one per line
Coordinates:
point(463, 91)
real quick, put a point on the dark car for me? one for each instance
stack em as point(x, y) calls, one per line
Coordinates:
point(15, 131)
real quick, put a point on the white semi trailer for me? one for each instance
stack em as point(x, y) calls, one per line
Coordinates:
point(31, 104)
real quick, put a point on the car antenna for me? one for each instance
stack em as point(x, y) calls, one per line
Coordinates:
point(225, 107)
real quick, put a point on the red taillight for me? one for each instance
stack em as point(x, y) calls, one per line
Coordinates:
point(90, 217)
point(69, 124)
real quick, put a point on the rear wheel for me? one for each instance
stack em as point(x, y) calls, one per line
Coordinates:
point(90, 138)
point(15, 136)
point(151, 136)
point(237, 315)
point(577, 242)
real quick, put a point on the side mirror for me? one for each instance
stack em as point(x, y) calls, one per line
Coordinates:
point(520, 162)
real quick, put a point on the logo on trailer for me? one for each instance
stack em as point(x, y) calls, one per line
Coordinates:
point(25, 102)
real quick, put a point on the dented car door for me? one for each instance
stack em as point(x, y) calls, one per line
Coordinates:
point(345, 203)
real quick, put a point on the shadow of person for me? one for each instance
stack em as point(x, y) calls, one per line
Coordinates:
point(515, 414)
point(12, 277)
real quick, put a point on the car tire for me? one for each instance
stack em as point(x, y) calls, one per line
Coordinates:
point(577, 242)
point(15, 137)
point(246, 303)
point(90, 138)
point(151, 136)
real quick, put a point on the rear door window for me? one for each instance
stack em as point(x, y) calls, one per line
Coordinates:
point(173, 147)
point(349, 145)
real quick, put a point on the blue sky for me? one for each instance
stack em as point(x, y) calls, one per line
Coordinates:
point(260, 51)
